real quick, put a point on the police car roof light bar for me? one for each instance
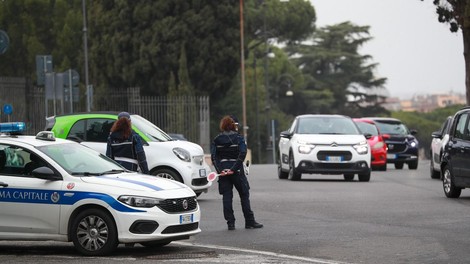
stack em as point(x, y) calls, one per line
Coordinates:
point(13, 127)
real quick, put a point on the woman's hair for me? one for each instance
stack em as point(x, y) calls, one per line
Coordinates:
point(227, 124)
point(124, 126)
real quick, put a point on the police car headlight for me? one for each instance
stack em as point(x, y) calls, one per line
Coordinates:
point(139, 201)
point(182, 154)
point(362, 147)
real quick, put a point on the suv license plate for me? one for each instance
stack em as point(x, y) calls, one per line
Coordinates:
point(391, 156)
point(334, 158)
point(187, 218)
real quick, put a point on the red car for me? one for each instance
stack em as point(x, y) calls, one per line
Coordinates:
point(376, 142)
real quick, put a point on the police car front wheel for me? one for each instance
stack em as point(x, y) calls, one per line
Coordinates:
point(94, 233)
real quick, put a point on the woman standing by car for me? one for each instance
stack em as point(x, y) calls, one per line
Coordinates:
point(228, 151)
point(125, 146)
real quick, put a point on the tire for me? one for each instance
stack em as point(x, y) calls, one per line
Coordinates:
point(399, 165)
point(450, 190)
point(434, 173)
point(364, 177)
point(293, 174)
point(94, 232)
point(413, 165)
point(154, 244)
point(167, 174)
point(348, 177)
point(280, 173)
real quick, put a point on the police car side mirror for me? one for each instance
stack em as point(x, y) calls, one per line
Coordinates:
point(45, 173)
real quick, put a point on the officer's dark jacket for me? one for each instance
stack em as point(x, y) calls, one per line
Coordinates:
point(228, 151)
point(127, 152)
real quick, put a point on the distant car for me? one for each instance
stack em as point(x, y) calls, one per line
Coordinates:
point(75, 194)
point(324, 144)
point(182, 161)
point(177, 136)
point(376, 142)
point(455, 162)
point(439, 139)
point(402, 145)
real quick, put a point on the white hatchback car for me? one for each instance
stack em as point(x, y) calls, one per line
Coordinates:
point(56, 189)
point(439, 139)
point(178, 160)
point(324, 144)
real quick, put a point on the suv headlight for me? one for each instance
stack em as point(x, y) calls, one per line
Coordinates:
point(362, 148)
point(413, 144)
point(305, 147)
point(182, 154)
point(139, 201)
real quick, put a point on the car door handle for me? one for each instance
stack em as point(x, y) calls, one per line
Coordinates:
point(2, 184)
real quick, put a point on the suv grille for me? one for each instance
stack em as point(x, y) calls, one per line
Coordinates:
point(396, 148)
point(323, 154)
point(178, 205)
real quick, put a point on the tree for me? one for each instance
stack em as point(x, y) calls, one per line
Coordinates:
point(457, 14)
point(338, 78)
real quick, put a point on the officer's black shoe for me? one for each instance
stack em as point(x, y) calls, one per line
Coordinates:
point(253, 225)
point(231, 226)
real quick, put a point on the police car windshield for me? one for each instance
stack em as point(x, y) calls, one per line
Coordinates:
point(149, 129)
point(80, 160)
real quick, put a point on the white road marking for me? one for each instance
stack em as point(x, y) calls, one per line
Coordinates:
point(265, 253)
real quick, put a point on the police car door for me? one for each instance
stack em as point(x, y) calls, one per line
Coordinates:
point(28, 205)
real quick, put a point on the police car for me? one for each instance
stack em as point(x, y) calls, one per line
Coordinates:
point(56, 189)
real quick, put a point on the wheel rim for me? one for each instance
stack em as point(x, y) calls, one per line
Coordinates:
point(92, 233)
point(165, 175)
point(447, 181)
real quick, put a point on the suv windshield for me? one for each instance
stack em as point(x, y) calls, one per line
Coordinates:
point(149, 129)
point(326, 125)
point(393, 128)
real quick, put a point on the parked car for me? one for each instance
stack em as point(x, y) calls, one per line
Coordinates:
point(376, 142)
point(455, 165)
point(75, 194)
point(324, 144)
point(402, 145)
point(182, 161)
point(439, 139)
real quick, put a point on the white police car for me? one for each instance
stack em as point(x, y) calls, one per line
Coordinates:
point(55, 189)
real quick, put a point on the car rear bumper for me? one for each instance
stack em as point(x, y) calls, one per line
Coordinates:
point(359, 167)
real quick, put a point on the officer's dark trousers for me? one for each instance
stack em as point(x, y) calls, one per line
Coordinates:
point(240, 182)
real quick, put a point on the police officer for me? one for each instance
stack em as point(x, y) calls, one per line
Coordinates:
point(228, 151)
point(125, 146)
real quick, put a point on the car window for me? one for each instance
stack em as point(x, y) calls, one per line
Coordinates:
point(461, 129)
point(92, 129)
point(367, 128)
point(17, 161)
point(292, 127)
point(149, 129)
point(326, 125)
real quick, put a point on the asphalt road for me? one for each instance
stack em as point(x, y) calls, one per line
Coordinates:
point(400, 216)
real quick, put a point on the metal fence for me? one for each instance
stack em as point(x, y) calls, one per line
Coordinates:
point(187, 115)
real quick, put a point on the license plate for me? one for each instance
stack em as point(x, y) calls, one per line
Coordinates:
point(202, 173)
point(187, 218)
point(334, 158)
point(391, 156)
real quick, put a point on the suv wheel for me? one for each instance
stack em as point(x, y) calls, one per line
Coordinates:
point(434, 173)
point(364, 177)
point(399, 165)
point(280, 173)
point(348, 177)
point(293, 174)
point(94, 233)
point(413, 165)
point(167, 174)
point(450, 190)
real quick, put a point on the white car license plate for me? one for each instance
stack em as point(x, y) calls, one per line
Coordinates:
point(186, 219)
point(391, 156)
point(334, 158)
point(202, 173)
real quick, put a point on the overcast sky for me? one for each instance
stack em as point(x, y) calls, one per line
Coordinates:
point(415, 52)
